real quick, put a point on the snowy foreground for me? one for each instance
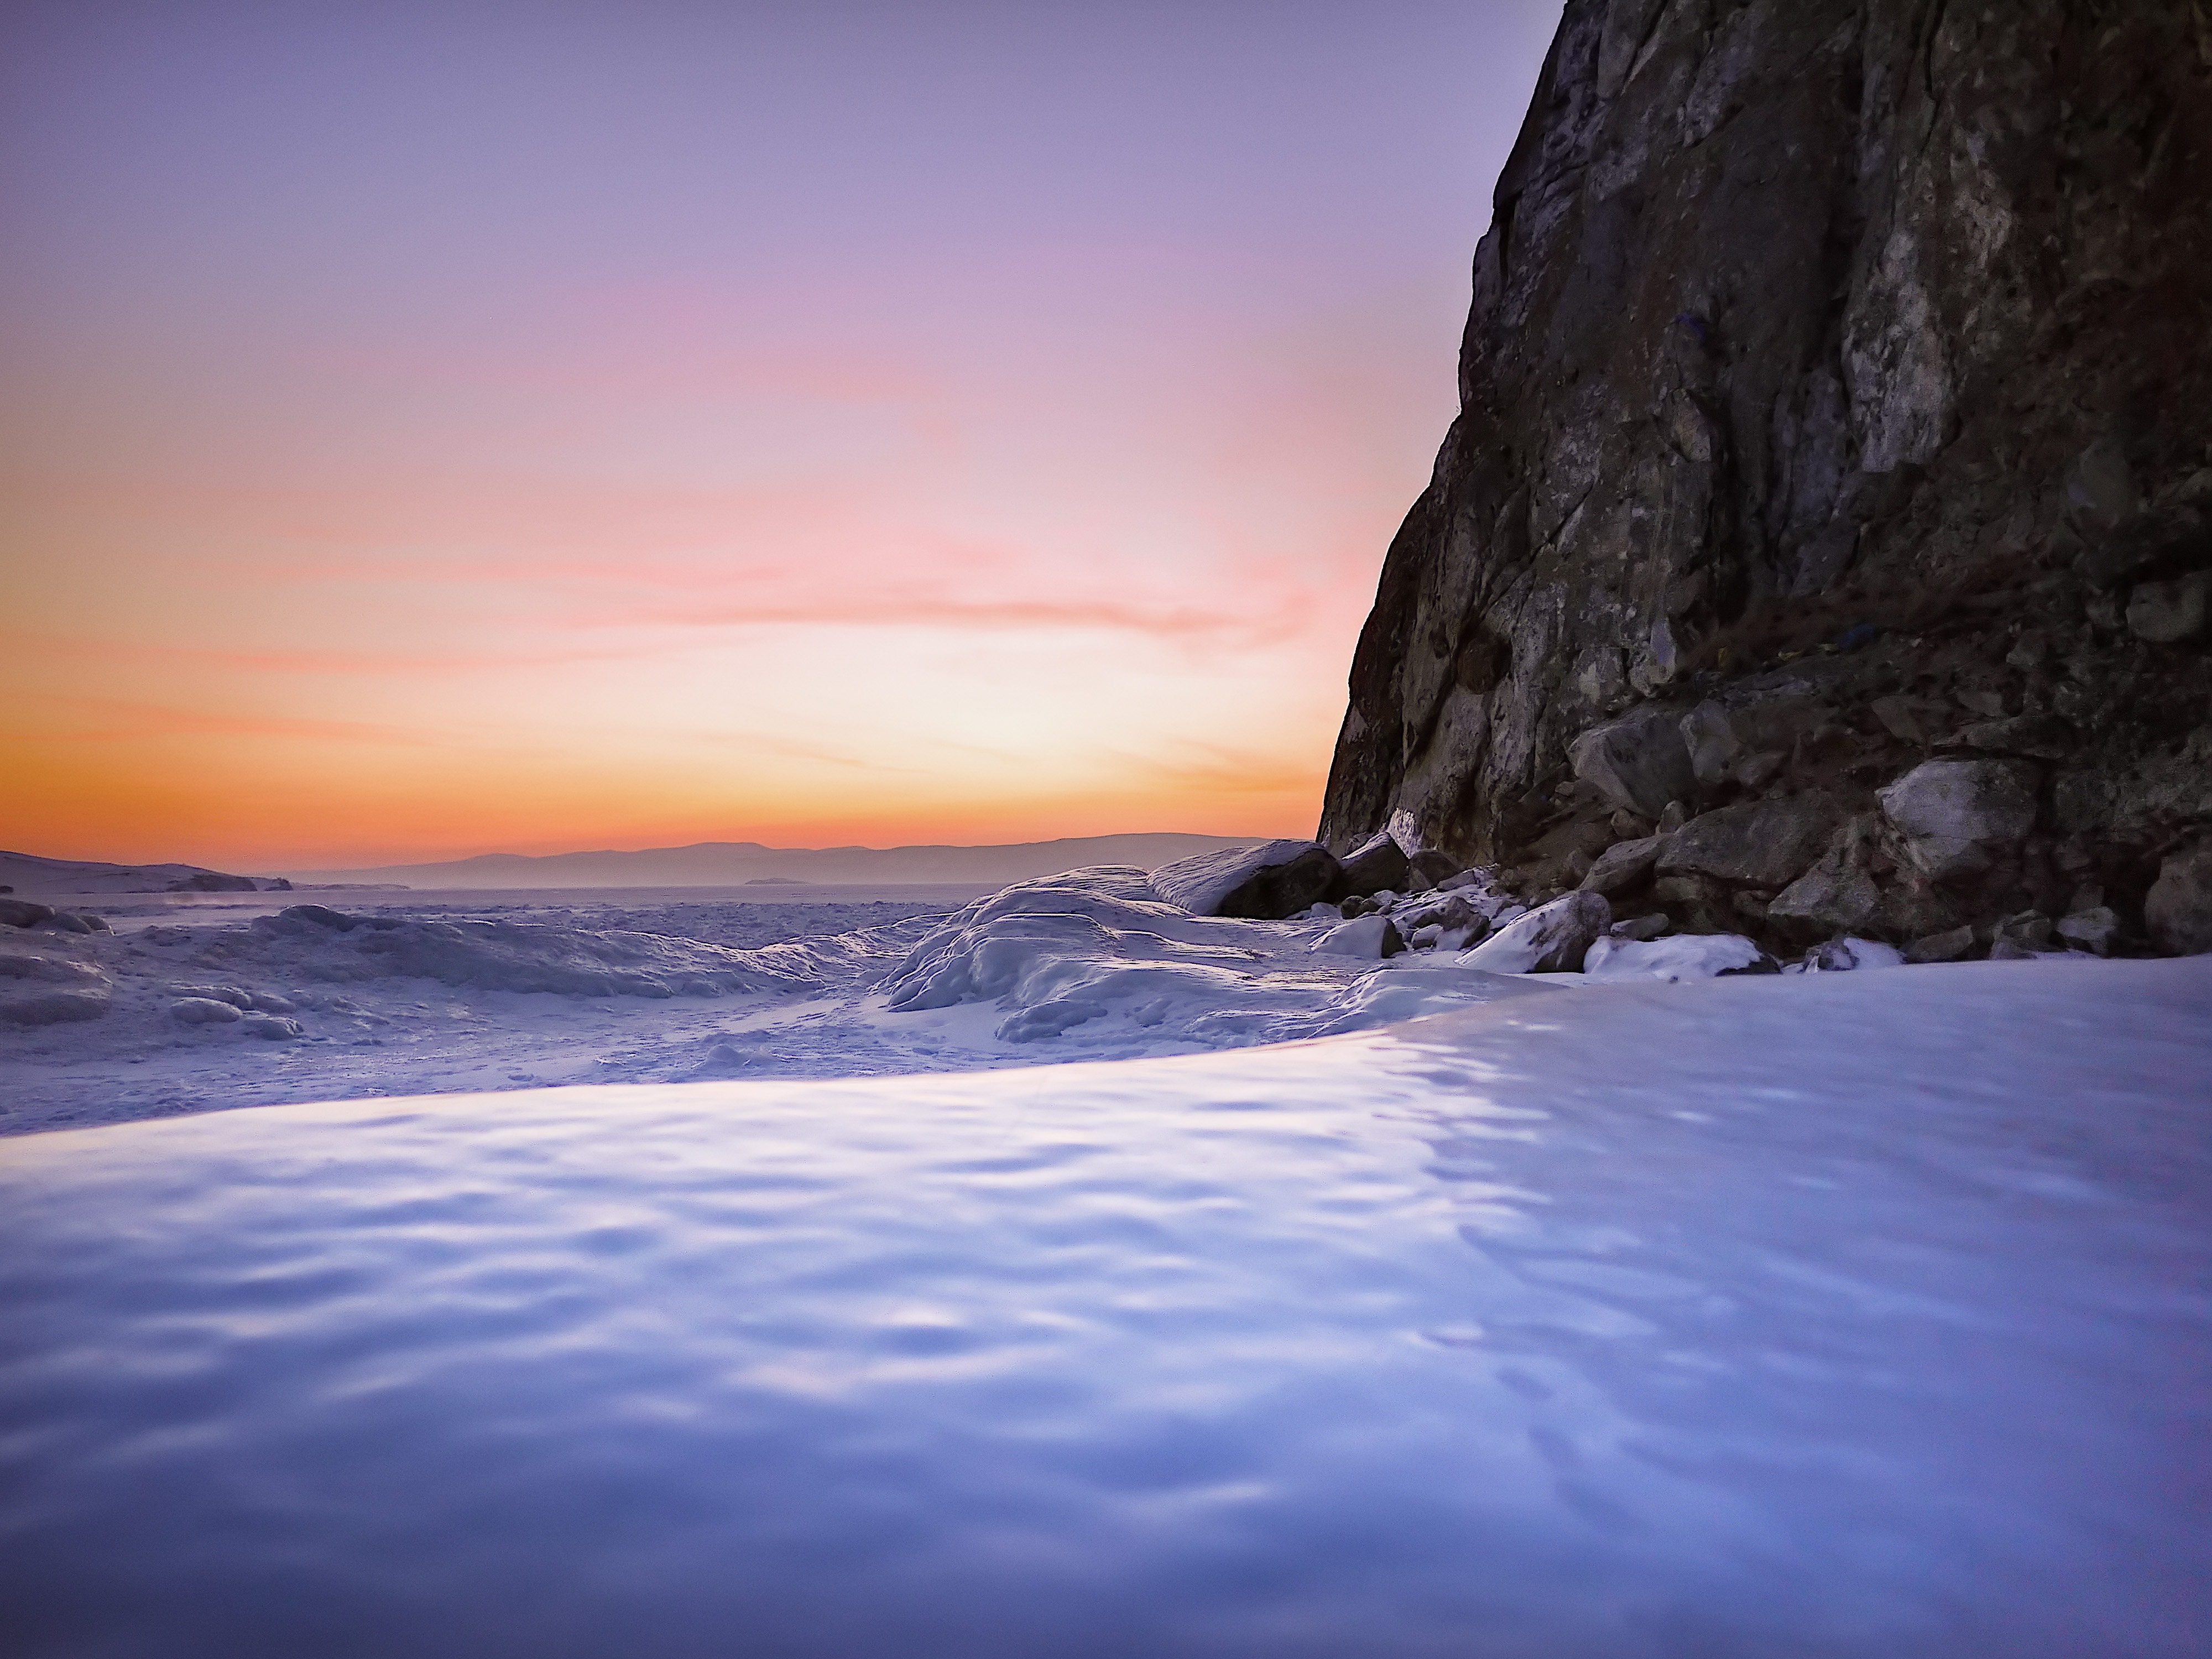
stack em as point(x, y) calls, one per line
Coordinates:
point(1848, 1314)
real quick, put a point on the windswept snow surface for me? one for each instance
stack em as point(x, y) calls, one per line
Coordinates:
point(1837, 1314)
point(394, 995)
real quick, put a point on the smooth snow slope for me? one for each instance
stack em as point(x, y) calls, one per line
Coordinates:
point(1858, 1314)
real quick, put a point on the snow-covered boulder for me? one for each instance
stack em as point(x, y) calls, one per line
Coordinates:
point(1265, 883)
point(1372, 937)
point(1841, 955)
point(1678, 956)
point(204, 1010)
point(52, 1007)
point(1551, 938)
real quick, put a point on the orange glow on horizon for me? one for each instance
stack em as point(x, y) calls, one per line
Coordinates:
point(724, 425)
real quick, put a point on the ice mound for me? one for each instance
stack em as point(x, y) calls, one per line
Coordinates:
point(1098, 946)
point(309, 942)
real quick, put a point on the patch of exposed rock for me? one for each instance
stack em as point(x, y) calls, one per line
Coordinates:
point(1824, 543)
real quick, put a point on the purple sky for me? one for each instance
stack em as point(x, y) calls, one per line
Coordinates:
point(430, 429)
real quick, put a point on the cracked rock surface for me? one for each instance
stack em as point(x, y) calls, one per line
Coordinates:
point(1836, 400)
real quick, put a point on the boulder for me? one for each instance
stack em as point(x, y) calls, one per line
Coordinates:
point(69, 922)
point(53, 1007)
point(2178, 909)
point(1954, 814)
point(1551, 938)
point(272, 1027)
point(1639, 762)
point(1261, 884)
point(1724, 736)
point(1842, 956)
point(1949, 946)
point(24, 913)
point(231, 994)
point(1836, 896)
point(1371, 937)
point(53, 970)
point(1429, 869)
point(1640, 928)
point(1379, 865)
point(1711, 738)
point(2166, 613)
point(2092, 930)
point(1624, 865)
point(1757, 843)
point(1685, 956)
point(204, 1010)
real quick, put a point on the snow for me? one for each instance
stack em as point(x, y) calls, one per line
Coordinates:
point(1838, 1314)
point(1683, 956)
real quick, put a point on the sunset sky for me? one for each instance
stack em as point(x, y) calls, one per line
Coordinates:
point(431, 430)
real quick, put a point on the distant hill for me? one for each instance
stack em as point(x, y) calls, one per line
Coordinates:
point(29, 873)
point(736, 863)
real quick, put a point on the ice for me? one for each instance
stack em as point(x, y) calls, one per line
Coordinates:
point(1839, 1315)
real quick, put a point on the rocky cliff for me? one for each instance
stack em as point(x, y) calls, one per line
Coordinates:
point(1832, 478)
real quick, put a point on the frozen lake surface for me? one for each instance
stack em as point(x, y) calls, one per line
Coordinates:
point(1850, 1314)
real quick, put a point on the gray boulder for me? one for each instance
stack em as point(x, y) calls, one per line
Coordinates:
point(1836, 896)
point(204, 1010)
point(2179, 906)
point(1954, 814)
point(2093, 930)
point(1262, 883)
point(24, 913)
point(1429, 869)
point(1639, 762)
point(1947, 946)
point(1624, 865)
point(1756, 843)
point(1380, 865)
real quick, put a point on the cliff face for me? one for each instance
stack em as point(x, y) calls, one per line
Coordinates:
point(1836, 400)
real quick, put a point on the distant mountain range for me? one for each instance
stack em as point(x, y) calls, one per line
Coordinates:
point(736, 863)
